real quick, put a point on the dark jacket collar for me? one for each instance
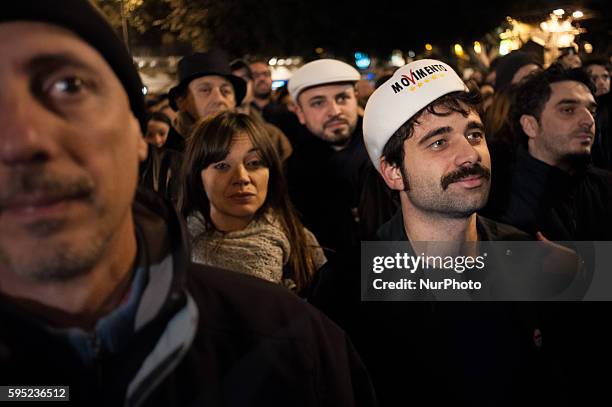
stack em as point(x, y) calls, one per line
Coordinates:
point(393, 230)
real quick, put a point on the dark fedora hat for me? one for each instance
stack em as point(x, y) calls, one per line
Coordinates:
point(214, 62)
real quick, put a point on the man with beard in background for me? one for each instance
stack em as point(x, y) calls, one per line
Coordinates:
point(325, 173)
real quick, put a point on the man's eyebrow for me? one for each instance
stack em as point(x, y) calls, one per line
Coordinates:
point(317, 97)
point(343, 93)
point(53, 62)
point(568, 102)
point(434, 133)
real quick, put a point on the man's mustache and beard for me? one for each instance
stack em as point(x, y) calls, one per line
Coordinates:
point(44, 256)
point(341, 136)
point(435, 197)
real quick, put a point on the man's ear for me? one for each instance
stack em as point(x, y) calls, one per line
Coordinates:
point(392, 174)
point(530, 125)
point(143, 149)
point(300, 113)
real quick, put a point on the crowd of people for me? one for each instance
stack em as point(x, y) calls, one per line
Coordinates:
point(204, 247)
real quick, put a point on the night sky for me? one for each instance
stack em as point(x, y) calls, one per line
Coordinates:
point(297, 27)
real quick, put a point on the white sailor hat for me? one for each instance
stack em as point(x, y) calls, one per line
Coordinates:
point(321, 72)
point(410, 89)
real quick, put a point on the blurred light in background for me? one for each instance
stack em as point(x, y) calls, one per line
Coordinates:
point(577, 14)
point(477, 47)
point(428, 47)
point(559, 12)
point(458, 50)
point(397, 59)
point(362, 60)
point(588, 48)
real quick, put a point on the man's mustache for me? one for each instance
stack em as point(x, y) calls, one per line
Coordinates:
point(41, 183)
point(464, 172)
point(335, 120)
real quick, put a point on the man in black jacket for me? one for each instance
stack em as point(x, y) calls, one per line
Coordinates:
point(97, 291)
point(326, 171)
point(552, 188)
point(423, 132)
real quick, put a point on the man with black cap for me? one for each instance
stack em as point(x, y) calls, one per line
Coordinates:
point(96, 288)
point(207, 86)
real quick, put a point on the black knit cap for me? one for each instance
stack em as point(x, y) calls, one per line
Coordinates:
point(83, 19)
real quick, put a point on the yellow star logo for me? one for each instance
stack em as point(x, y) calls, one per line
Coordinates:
point(426, 80)
point(434, 77)
point(420, 84)
point(441, 75)
point(412, 89)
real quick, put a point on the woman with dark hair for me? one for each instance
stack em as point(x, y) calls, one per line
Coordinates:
point(235, 200)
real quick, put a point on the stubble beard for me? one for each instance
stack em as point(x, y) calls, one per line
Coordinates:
point(51, 257)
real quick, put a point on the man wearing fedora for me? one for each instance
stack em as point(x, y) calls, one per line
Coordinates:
point(206, 87)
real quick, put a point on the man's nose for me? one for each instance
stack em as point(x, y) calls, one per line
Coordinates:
point(467, 154)
point(587, 120)
point(334, 108)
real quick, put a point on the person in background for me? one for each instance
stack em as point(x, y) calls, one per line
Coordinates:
point(599, 74)
point(327, 170)
point(236, 204)
point(552, 188)
point(569, 58)
point(162, 105)
point(241, 69)
point(158, 127)
point(262, 83)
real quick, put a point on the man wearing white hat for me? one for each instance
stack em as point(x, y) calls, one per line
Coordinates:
point(423, 132)
point(325, 171)
point(424, 135)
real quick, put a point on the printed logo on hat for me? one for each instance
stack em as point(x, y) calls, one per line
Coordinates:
point(410, 89)
point(416, 79)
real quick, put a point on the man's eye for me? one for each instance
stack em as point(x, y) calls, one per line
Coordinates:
point(204, 90)
point(69, 85)
point(436, 145)
point(568, 110)
point(318, 103)
point(475, 137)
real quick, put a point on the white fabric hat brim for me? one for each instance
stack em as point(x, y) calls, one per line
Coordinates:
point(321, 72)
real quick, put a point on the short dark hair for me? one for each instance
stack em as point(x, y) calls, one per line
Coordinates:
point(591, 62)
point(454, 102)
point(239, 64)
point(534, 93)
point(160, 117)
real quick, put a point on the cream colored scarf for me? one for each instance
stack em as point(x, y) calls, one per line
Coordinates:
point(261, 249)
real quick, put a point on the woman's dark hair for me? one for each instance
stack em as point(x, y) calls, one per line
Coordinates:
point(210, 142)
point(160, 117)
